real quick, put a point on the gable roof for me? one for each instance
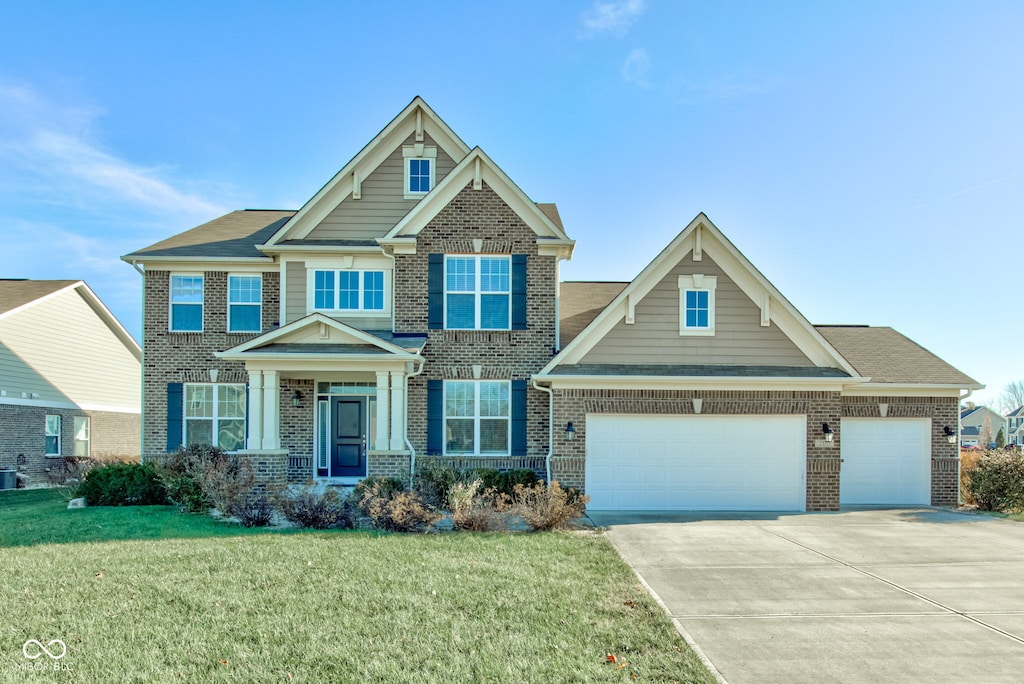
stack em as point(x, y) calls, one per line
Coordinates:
point(887, 356)
point(700, 236)
point(1016, 412)
point(579, 303)
point(417, 117)
point(17, 292)
point(478, 168)
point(232, 236)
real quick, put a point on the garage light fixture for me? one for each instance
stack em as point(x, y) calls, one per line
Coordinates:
point(827, 431)
point(950, 435)
point(570, 432)
point(297, 399)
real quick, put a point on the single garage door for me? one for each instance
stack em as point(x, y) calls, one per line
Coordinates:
point(696, 463)
point(885, 461)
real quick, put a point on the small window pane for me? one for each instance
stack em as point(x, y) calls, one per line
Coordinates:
point(199, 401)
point(461, 274)
point(494, 274)
point(231, 401)
point(244, 318)
point(348, 290)
point(244, 289)
point(419, 175)
point(323, 290)
point(187, 289)
point(460, 311)
point(691, 299)
point(691, 318)
point(199, 432)
point(460, 435)
point(81, 436)
point(373, 290)
point(459, 398)
point(186, 317)
point(231, 435)
point(493, 436)
point(494, 399)
point(494, 311)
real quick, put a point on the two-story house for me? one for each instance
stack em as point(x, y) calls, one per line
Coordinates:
point(976, 420)
point(412, 307)
point(1015, 426)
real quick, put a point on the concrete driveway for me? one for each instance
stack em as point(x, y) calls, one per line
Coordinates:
point(911, 595)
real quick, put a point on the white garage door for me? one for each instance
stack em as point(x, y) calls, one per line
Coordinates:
point(885, 461)
point(696, 463)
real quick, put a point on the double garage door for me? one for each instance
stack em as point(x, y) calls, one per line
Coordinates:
point(746, 463)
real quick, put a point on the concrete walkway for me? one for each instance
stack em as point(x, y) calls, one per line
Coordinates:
point(912, 595)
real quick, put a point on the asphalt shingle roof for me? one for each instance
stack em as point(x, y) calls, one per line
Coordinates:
point(18, 292)
point(699, 370)
point(580, 302)
point(232, 235)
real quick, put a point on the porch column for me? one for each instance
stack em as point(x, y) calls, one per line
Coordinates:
point(397, 410)
point(380, 440)
point(271, 410)
point(254, 438)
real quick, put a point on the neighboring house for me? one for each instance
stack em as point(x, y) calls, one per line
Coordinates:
point(412, 308)
point(972, 416)
point(70, 377)
point(1015, 426)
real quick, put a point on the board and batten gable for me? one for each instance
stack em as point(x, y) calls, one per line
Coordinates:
point(382, 202)
point(61, 342)
point(654, 337)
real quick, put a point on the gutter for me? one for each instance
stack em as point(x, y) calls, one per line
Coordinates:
point(412, 451)
point(551, 426)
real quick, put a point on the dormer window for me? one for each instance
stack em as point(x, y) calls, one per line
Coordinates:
point(420, 163)
point(697, 304)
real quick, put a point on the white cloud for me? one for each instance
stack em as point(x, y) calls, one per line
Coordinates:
point(610, 17)
point(636, 67)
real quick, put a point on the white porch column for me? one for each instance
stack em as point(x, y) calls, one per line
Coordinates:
point(254, 438)
point(380, 440)
point(397, 410)
point(271, 410)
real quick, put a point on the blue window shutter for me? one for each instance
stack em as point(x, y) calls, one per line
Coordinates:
point(519, 417)
point(175, 415)
point(435, 417)
point(435, 291)
point(519, 292)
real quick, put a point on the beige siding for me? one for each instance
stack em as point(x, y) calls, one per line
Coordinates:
point(382, 204)
point(739, 338)
point(294, 291)
point(67, 346)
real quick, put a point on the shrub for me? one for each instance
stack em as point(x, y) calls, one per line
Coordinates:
point(122, 484)
point(997, 481)
point(312, 507)
point(200, 476)
point(396, 511)
point(180, 473)
point(968, 462)
point(69, 469)
point(388, 486)
point(477, 510)
point(547, 507)
point(434, 480)
point(255, 513)
point(227, 482)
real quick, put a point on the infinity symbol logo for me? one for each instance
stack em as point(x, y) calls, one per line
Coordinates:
point(40, 649)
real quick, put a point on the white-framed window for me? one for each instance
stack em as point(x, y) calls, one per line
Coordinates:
point(186, 303)
point(52, 435)
point(478, 292)
point(215, 414)
point(348, 290)
point(477, 416)
point(420, 165)
point(245, 299)
point(83, 435)
point(697, 304)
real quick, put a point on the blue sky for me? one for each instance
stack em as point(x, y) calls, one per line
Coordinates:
point(868, 157)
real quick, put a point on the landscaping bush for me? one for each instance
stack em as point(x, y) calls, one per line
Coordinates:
point(434, 480)
point(997, 481)
point(388, 486)
point(547, 507)
point(70, 469)
point(122, 484)
point(312, 507)
point(968, 462)
point(396, 511)
point(255, 513)
point(475, 509)
point(200, 476)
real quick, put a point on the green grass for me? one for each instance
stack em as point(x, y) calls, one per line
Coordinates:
point(153, 595)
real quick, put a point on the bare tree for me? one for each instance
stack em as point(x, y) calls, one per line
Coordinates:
point(985, 433)
point(1012, 396)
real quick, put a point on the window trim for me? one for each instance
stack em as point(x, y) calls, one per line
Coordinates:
point(477, 292)
point(475, 418)
point(47, 434)
point(215, 418)
point(171, 304)
point(258, 305)
point(311, 291)
point(87, 423)
point(410, 152)
point(697, 283)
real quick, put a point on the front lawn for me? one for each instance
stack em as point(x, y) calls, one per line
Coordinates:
point(159, 596)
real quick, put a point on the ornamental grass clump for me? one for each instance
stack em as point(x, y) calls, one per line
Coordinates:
point(474, 509)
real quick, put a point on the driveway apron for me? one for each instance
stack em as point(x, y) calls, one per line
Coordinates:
point(867, 595)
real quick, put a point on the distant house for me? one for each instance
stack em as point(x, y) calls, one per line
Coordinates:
point(972, 416)
point(1015, 426)
point(70, 377)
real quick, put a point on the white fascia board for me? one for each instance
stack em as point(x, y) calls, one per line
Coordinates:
point(561, 249)
point(657, 382)
point(366, 162)
point(173, 263)
point(884, 389)
point(105, 314)
point(68, 405)
point(52, 295)
point(305, 322)
point(326, 363)
point(292, 249)
point(402, 245)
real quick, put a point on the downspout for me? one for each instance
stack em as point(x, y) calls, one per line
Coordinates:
point(551, 426)
point(959, 465)
point(142, 374)
point(408, 444)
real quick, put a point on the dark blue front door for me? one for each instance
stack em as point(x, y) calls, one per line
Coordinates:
point(348, 444)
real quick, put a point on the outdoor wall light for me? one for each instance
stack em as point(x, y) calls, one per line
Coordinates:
point(827, 431)
point(950, 435)
point(297, 399)
point(570, 432)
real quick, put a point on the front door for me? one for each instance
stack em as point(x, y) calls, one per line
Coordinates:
point(348, 444)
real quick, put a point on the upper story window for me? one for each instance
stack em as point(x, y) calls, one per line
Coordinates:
point(420, 165)
point(347, 290)
point(52, 436)
point(697, 304)
point(478, 292)
point(476, 417)
point(215, 415)
point(245, 297)
point(186, 303)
